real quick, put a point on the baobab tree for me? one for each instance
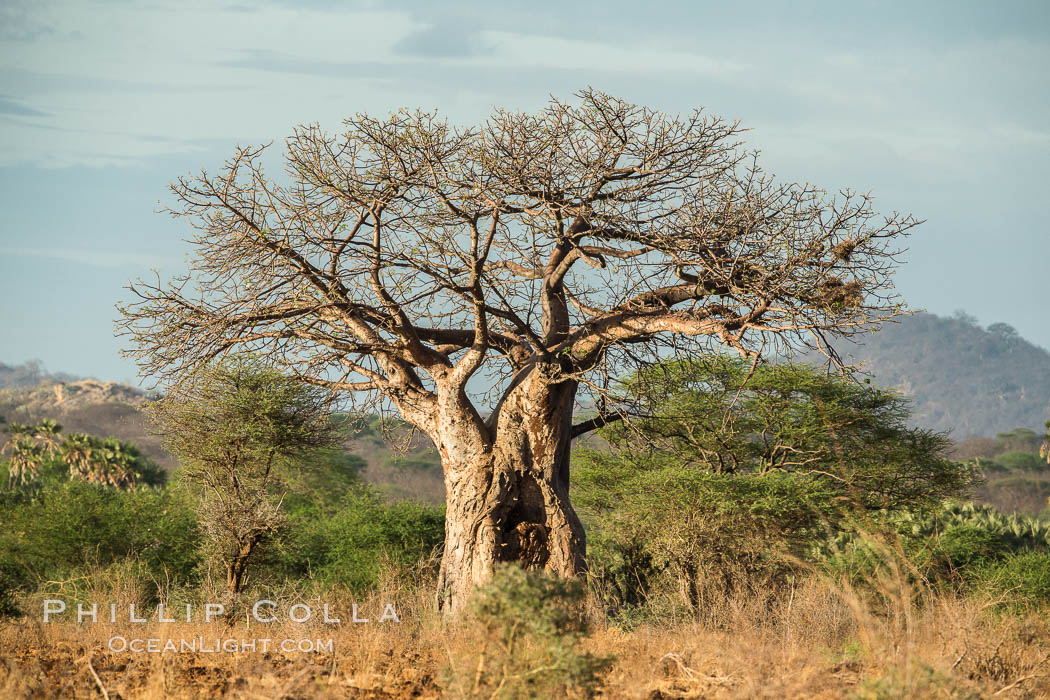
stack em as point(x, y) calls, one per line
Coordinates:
point(483, 282)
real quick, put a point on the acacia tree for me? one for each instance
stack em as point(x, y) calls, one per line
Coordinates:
point(484, 281)
point(235, 426)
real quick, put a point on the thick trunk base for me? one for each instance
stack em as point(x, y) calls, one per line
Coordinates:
point(507, 497)
point(510, 517)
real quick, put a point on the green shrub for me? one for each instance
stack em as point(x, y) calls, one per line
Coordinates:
point(323, 480)
point(659, 529)
point(965, 545)
point(945, 545)
point(530, 628)
point(1022, 579)
point(122, 581)
point(1019, 439)
point(728, 474)
point(69, 526)
point(350, 544)
point(988, 466)
point(1021, 461)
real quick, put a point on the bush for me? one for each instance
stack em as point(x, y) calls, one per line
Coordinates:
point(530, 626)
point(1022, 579)
point(73, 525)
point(1019, 439)
point(1021, 461)
point(350, 544)
point(727, 474)
point(966, 545)
point(944, 546)
point(662, 529)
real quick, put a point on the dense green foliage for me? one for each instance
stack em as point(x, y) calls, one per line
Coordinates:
point(1019, 461)
point(966, 547)
point(56, 531)
point(241, 411)
point(718, 414)
point(665, 528)
point(336, 530)
point(349, 542)
point(1019, 440)
point(1023, 579)
point(66, 531)
point(717, 484)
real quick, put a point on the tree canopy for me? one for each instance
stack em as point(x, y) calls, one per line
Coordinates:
point(405, 254)
point(714, 482)
point(721, 414)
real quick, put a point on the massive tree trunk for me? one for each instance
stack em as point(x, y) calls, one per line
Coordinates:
point(509, 500)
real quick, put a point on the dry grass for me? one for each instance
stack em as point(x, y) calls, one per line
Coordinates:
point(819, 640)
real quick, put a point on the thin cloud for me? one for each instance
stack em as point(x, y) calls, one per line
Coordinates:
point(488, 50)
point(9, 105)
point(567, 54)
point(95, 258)
point(447, 40)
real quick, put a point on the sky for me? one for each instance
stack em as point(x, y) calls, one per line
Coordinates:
point(939, 109)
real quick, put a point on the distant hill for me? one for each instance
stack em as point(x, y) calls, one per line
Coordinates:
point(962, 377)
point(106, 409)
point(110, 409)
point(29, 375)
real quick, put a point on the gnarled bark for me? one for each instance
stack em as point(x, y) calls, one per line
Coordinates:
point(511, 501)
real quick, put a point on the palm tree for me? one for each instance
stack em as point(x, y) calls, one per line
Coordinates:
point(78, 452)
point(46, 433)
point(1044, 451)
point(14, 446)
point(26, 458)
point(108, 462)
point(114, 465)
point(30, 446)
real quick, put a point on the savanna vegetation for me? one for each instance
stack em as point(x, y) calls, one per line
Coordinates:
point(789, 535)
point(549, 299)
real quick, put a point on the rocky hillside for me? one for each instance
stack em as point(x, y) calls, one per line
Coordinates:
point(961, 377)
point(109, 409)
point(52, 396)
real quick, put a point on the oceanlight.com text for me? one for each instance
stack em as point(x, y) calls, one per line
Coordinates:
point(203, 645)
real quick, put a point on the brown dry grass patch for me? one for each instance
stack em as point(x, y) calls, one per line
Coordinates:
point(819, 641)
